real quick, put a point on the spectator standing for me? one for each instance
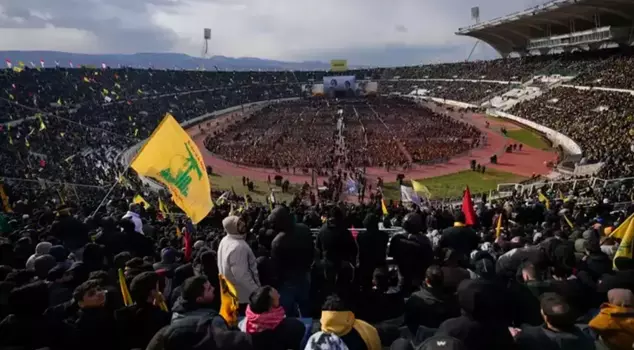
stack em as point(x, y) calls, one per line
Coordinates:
point(236, 260)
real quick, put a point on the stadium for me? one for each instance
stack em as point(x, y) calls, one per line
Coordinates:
point(478, 204)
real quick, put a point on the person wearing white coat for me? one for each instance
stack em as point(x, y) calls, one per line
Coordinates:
point(236, 260)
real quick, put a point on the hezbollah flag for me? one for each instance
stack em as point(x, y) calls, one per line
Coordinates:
point(171, 157)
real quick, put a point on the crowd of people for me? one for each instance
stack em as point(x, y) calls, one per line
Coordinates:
point(524, 275)
point(390, 132)
point(528, 273)
point(297, 134)
point(599, 121)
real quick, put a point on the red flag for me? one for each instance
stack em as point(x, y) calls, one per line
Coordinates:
point(467, 208)
point(188, 245)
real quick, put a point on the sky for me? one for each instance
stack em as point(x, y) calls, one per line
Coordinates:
point(366, 32)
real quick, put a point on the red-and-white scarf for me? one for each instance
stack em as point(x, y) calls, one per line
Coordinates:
point(256, 323)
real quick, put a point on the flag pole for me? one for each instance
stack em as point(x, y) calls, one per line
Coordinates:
point(105, 197)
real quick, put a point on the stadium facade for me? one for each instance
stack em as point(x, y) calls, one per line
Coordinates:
point(559, 26)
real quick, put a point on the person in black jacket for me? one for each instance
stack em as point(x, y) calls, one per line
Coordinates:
point(26, 327)
point(137, 324)
point(431, 305)
point(196, 300)
point(292, 255)
point(93, 320)
point(558, 331)
point(412, 252)
point(461, 238)
point(334, 241)
point(372, 249)
point(268, 325)
point(480, 326)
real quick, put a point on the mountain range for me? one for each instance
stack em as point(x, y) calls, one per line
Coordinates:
point(157, 60)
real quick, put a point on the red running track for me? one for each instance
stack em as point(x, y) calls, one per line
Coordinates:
point(526, 163)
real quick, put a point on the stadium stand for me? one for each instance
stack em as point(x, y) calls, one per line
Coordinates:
point(542, 265)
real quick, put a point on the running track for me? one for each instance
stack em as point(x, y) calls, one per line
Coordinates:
point(526, 163)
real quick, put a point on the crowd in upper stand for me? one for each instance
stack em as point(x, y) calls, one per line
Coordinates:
point(601, 122)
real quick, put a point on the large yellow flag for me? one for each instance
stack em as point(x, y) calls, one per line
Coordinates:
point(422, 189)
point(171, 157)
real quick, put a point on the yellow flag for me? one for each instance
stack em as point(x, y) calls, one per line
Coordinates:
point(179, 234)
point(627, 232)
point(163, 208)
point(420, 188)
point(5, 200)
point(383, 207)
point(125, 293)
point(228, 301)
point(159, 301)
point(136, 132)
point(543, 199)
point(171, 157)
point(498, 228)
point(140, 200)
point(568, 221)
point(42, 125)
point(621, 231)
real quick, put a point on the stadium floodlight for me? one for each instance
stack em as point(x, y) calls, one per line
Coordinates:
point(475, 14)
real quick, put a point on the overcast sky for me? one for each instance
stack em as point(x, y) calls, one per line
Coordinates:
point(368, 32)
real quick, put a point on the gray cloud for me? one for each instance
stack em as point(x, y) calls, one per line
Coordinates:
point(280, 29)
point(122, 26)
point(400, 28)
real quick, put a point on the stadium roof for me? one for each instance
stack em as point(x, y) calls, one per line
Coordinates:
point(512, 33)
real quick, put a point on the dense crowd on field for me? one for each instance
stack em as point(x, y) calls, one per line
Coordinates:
point(318, 275)
point(391, 132)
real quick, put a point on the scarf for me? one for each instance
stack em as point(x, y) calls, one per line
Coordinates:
point(256, 323)
point(341, 323)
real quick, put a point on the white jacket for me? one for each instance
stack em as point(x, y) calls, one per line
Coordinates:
point(136, 219)
point(236, 261)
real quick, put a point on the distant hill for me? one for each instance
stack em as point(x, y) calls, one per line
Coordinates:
point(157, 60)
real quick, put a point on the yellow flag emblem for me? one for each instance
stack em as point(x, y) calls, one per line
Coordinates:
point(171, 157)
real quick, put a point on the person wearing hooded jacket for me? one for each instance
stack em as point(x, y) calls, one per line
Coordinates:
point(459, 237)
point(236, 260)
point(372, 248)
point(412, 252)
point(480, 326)
point(42, 248)
point(292, 254)
point(334, 241)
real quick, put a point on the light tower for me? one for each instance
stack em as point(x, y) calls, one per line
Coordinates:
point(205, 50)
point(475, 16)
point(206, 37)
